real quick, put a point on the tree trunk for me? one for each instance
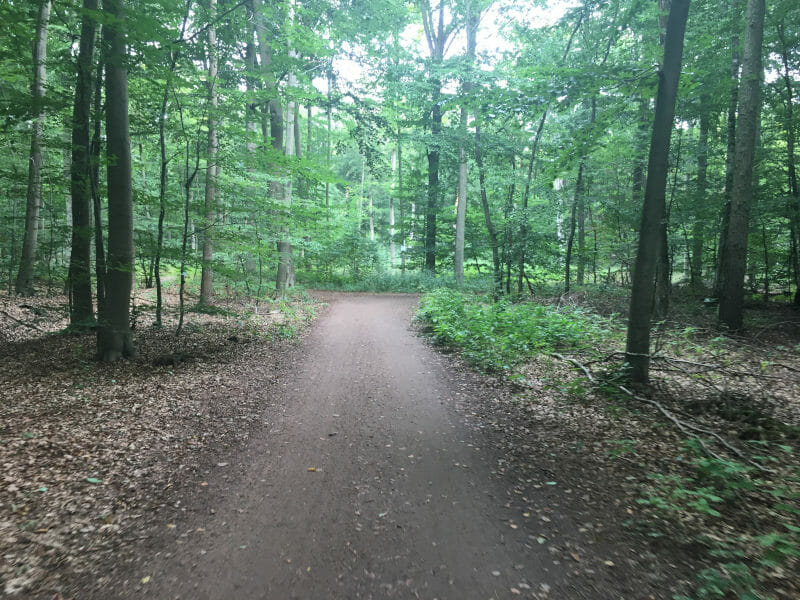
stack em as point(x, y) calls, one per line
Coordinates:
point(81, 310)
point(496, 266)
point(461, 209)
point(638, 337)
point(212, 169)
point(791, 167)
point(733, 261)
point(572, 224)
point(114, 338)
point(24, 283)
point(461, 206)
point(94, 174)
point(730, 156)
point(698, 227)
point(432, 206)
point(392, 195)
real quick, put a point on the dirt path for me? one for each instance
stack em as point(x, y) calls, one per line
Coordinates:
point(367, 486)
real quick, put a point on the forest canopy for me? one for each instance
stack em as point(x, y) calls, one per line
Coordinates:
point(242, 146)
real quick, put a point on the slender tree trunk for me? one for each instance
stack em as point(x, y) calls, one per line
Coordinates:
point(371, 215)
point(392, 195)
point(733, 261)
point(497, 269)
point(94, 174)
point(698, 227)
point(461, 203)
point(81, 310)
point(461, 209)
point(212, 168)
point(791, 167)
point(664, 264)
point(638, 338)
point(526, 195)
point(402, 204)
point(114, 338)
point(24, 283)
point(432, 206)
point(572, 224)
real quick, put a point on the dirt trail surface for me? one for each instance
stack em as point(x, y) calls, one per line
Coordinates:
point(365, 486)
point(373, 479)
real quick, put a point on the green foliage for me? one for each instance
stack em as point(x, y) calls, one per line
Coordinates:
point(497, 336)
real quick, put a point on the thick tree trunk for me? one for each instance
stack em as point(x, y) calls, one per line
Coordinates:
point(730, 156)
point(734, 260)
point(81, 310)
point(212, 168)
point(114, 338)
point(24, 283)
point(638, 338)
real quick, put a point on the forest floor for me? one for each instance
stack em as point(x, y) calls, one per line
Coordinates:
point(255, 458)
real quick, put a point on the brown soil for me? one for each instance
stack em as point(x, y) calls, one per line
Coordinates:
point(376, 478)
point(358, 463)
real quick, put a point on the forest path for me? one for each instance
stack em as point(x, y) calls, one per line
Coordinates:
point(368, 484)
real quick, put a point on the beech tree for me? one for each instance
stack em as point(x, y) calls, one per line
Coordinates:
point(733, 259)
point(637, 349)
point(114, 337)
point(24, 285)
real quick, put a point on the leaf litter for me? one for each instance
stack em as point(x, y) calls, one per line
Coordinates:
point(93, 454)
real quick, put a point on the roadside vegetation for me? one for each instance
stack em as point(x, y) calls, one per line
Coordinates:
point(711, 461)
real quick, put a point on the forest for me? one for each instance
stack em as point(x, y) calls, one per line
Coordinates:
point(597, 201)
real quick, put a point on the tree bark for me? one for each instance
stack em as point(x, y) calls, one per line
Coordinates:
point(791, 167)
point(730, 156)
point(698, 227)
point(212, 168)
point(114, 338)
point(496, 266)
point(734, 260)
point(573, 219)
point(24, 283)
point(638, 337)
point(461, 209)
point(81, 309)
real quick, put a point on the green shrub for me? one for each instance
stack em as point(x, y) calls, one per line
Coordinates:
point(498, 336)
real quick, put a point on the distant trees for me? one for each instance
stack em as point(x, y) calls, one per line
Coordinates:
point(283, 109)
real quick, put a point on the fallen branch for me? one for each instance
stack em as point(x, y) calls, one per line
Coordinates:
point(683, 426)
point(30, 325)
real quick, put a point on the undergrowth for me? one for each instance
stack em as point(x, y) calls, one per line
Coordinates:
point(740, 503)
point(497, 336)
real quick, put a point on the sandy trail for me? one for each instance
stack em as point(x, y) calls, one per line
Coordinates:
point(367, 484)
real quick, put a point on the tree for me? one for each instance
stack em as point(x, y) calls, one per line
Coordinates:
point(472, 21)
point(80, 268)
point(24, 285)
point(732, 265)
point(637, 349)
point(437, 34)
point(212, 168)
point(114, 338)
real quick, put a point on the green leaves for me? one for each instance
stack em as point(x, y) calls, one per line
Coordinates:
point(496, 337)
